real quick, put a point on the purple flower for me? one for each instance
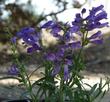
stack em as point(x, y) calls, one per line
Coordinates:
point(13, 39)
point(54, 27)
point(67, 36)
point(74, 45)
point(96, 38)
point(95, 16)
point(30, 37)
point(78, 17)
point(50, 57)
point(55, 57)
point(96, 9)
point(68, 61)
point(100, 16)
point(13, 70)
point(48, 24)
point(94, 25)
point(33, 48)
point(97, 41)
point(83, 10)
point(66, 73)
point(78, 20)
point(60, 51)
point(55, 30)
point(98, 34)
point(92, 21)
point(25, 31)
point(59, 59)
point(74, 29)
point(101, 25)
point(56, 70)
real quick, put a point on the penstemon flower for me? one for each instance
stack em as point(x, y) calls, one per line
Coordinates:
point(96, 38)
point(54, 27)
point(60, 60)
point(94, 19)
point(66, 61)
point(13, 70)
point(30, 37)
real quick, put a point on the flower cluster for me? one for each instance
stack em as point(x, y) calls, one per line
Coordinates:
point(80, 27)
point(30, 37)
point(93, 20)
point(61, 62)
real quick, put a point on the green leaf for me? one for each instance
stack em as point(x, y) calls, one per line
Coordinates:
point(39, 90)
point(93, 89)
point(88, 85)
point(37, 82)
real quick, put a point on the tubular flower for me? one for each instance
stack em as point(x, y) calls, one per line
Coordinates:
point(96, 38)
point(91, 22)
point(13, 70)
point(30, 37)
point(66, 72)
point(54, 28)
point(58, 59)
point(94, 18)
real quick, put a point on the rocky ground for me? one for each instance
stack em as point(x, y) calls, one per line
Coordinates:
point(97, 61)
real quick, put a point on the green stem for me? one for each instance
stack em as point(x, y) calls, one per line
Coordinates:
point(61, 98)
point(23, 74)
point(25, 79)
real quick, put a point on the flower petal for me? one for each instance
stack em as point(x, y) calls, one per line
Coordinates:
point(56, 70)
point(94, 36)
point(66, 73)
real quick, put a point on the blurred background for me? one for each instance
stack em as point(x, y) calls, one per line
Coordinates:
point(15, 14)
